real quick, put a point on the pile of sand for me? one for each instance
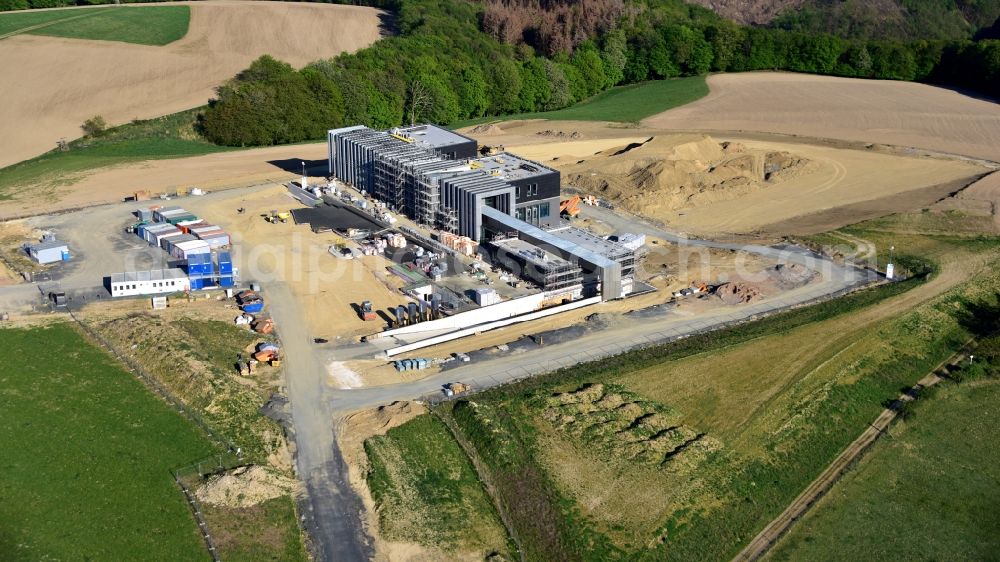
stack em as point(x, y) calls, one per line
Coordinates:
point(790, 276)
point(738, 292)
point(560, 134)
point(666, 173)
point(245, 487)
point(486, 129)
point(379, 420)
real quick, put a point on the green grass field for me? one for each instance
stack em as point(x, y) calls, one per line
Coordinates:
point(927, 493)
point(261, 533)
point(85, 473)
point(172, 136)
point(626, 104)
point(727, 427)
point(144, 25)
point(427, 490)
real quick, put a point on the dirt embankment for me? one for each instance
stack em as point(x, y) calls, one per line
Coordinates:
point(666, 173)
point(51, 85)
point(353, 431)
point(246, 486)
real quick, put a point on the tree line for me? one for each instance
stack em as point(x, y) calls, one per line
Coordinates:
point(442, 67)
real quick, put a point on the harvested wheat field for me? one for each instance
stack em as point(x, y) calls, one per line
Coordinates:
point(52, 85)
point(870, 111)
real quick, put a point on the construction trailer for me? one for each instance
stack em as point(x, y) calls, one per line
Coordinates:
point(153, 282)
point(48, 251)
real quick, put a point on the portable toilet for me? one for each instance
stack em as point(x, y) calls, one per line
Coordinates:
point(65, 255)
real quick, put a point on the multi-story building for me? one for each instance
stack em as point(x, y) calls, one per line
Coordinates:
point(435, 177)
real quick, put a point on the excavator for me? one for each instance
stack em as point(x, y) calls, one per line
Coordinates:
point(570, 208)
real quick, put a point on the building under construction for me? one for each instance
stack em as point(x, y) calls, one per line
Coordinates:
point(434, 176)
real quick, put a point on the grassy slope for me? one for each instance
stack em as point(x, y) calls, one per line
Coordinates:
point(929, 493)
point(803, 409)
point(148, 25)
point(626, 104)
point(268, 531)
point(427, 491)
point(172, 136)
point(88, 453)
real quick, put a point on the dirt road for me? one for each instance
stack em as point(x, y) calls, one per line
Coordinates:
point(822, 484)
point(333, 519)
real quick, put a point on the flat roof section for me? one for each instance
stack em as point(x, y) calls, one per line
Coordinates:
point(152, 275)
point(511, 166)
point(52, 244)
point(433, 136)
point(592, 242)
point(544, 237)
point(534, 255)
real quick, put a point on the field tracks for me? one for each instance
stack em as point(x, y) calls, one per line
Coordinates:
point(484, 477)
point(31, 28)
point(774, 530)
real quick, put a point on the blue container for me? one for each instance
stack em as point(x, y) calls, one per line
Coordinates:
point(253, 307)
point(197, 283)
point(226, 281)
point(225, 263)
point(65, 255)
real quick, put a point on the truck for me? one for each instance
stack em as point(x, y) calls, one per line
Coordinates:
point(456, 388)
point(367, 312)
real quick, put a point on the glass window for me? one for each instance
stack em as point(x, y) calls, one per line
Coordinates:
point(543, 210)
point(519, 214)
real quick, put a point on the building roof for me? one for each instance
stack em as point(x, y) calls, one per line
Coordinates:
point(511, 166)
point(534, 255)
point(433, 136)
point(50, 245)
point(548, 239)
point(592, 242)
point(152, 275)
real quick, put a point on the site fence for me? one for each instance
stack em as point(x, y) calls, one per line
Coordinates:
point(183, 477)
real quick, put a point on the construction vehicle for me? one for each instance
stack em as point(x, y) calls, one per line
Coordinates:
point(456, 388)
point(275, 216)
point(367, 312)
point(570, 208)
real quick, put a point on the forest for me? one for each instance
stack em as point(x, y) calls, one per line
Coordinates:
point(455, 59)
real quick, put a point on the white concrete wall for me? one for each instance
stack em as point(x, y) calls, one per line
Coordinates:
point(434, 340)
point(506, 309)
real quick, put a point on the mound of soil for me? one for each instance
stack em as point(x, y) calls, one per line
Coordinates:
point(245, 487)
point(379, 420)
point(790, 276)
point(667, 173)
point(560, 134)
point(486, 129)
point(738, 292)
